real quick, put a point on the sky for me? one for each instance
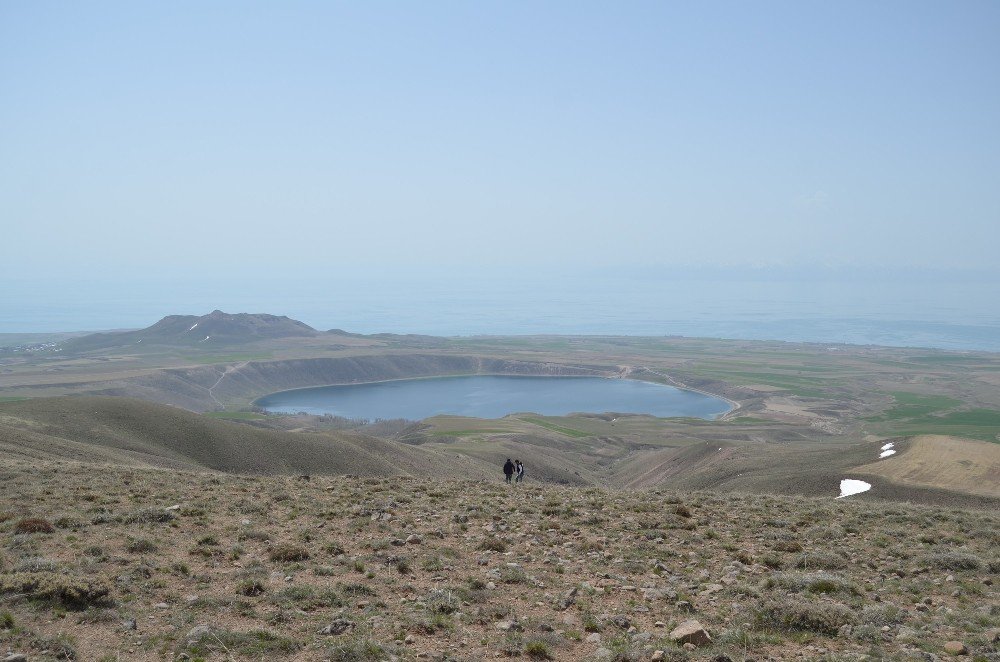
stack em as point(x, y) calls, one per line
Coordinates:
point(202, 140)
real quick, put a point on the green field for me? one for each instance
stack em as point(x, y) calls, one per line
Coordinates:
point(914, 413)
point(569, 432)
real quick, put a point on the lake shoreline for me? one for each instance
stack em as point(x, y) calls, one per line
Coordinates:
point(732, 405)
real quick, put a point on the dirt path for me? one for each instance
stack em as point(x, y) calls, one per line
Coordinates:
point(229, 370)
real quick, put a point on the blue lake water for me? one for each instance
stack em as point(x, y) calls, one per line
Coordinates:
point(495, 397)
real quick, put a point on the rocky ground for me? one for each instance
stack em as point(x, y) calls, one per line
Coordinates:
point(134, 564)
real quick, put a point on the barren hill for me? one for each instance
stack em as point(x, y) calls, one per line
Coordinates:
point(216, 327)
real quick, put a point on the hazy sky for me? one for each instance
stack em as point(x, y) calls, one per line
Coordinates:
point(192, 137)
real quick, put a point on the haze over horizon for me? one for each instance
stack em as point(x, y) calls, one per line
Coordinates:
point(212, 154)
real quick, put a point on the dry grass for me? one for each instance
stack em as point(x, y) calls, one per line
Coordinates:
point(402, 567)
point(943, 462)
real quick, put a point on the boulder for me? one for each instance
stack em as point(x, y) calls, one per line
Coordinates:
point(690, 632)
point(956, 648)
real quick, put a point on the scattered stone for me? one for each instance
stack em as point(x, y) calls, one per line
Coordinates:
point(621, 621)
point(690, 632)
point(658, 656)
point(509, 626)
point(956, 648)
point(594, 638)
point(685, 606)
point(338, 626)
point(198, 632)
point(690, 647)
point(16, 657)
point(568, 599)
point(603, 654)
point(161, 605)
point(130, 624)
point(413, 539)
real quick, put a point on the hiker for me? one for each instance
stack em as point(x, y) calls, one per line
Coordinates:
point(508, 469)
point(518, 471)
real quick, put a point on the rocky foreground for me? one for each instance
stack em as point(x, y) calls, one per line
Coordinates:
point(131, 564)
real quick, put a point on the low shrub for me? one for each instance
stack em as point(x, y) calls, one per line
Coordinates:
point(140, 546)
point(538, 650)
point(65, 591)
point(288, 553)
point(953, 560)
point(819, 559)
point(255, 643)
point(798, 614)
point(360, 649)
point(34, 525)
point(818, 582)
point(251, 587)
point(493, 545)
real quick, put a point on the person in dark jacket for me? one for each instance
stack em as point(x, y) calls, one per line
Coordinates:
point(508, 469)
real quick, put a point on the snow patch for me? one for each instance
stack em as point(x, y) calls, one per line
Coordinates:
point(849, 486)
point(138, 341)
point(192, 327)
point(888, 446)
point(887, 453)
point(205, 338)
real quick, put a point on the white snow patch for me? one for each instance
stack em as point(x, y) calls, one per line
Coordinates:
point(138, 341)
point(849, 486)
point(205, 338)
point(192, 327)
point(887, 453)
point(888, 446)
point(720, 449)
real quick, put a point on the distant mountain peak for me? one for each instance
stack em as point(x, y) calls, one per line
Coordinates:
point(215, 328)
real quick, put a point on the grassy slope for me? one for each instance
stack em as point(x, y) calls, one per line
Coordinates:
point(135, 432)
point(483, 554)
